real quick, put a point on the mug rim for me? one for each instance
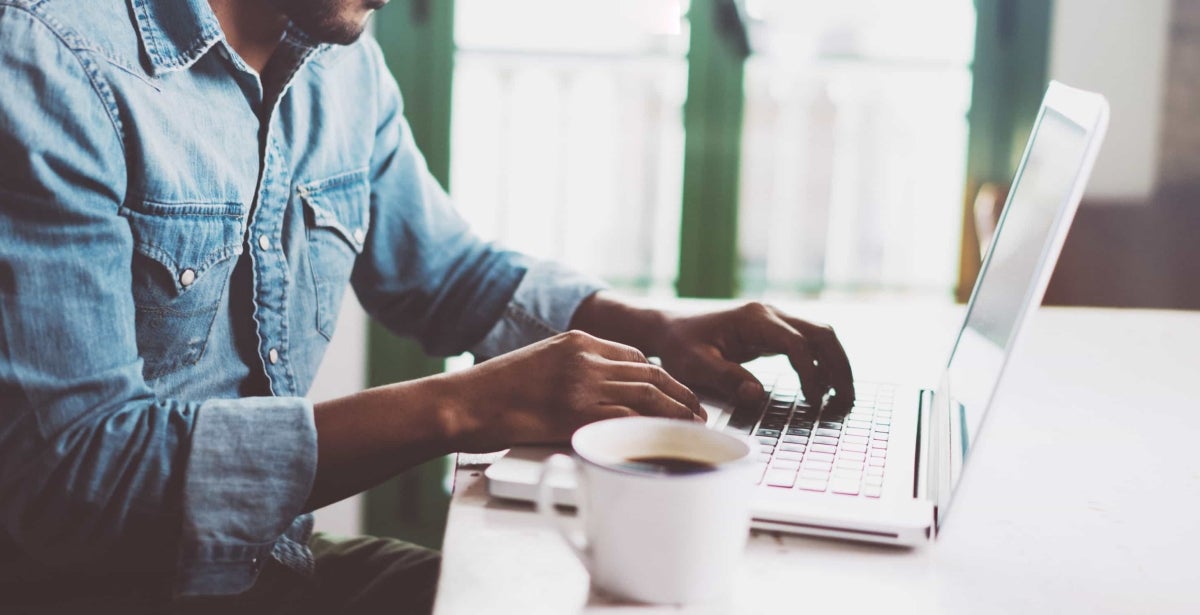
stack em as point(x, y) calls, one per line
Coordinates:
point(741, 459)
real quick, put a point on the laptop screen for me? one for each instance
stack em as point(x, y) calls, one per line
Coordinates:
point(1054, 160)
point(1013, 277)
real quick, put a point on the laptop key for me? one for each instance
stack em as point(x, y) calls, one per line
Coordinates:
point(813, 473)
point(794, 448)
point(877, 462)
point(829, 433)
point(845, 487)
point(781, 478)
point(812, 484)
point(825, 440)
point(795, 439)
point(798, 431)
point(873, 492)
point(824, 448)
point(769, 433)
point(768, 441)
point(791, 464)
point(850, 464)
point(856, 431)
point(852, 439)
point(854, 448)
point(789, 455)
point(819, 456)
point(852, 455)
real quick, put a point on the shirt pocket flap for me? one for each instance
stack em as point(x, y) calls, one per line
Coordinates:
point(340, 204)
point(187, 239)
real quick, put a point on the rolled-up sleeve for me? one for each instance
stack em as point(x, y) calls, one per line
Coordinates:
point(542, 306)
point(96, 471)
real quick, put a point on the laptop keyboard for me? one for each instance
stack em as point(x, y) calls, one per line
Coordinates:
point(820, 449)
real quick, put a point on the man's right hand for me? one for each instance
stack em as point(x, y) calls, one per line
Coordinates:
point(543, 392)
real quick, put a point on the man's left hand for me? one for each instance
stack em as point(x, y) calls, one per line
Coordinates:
point(705, 352)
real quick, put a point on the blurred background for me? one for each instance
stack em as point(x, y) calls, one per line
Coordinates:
point(779, 149)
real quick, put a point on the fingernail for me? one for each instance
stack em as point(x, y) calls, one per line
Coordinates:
point(750, 390)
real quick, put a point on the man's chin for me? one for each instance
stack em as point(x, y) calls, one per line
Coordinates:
point(340, 32)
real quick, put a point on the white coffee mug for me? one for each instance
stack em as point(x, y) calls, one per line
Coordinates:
point(648, 534)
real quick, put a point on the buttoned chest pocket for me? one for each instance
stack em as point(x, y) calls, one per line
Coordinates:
point(184, 254)
point(337, 218)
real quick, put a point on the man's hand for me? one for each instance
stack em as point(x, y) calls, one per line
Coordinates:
point(543, 392)
point(705, 351)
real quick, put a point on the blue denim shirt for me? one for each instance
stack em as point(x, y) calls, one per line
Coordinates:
point(176, 236)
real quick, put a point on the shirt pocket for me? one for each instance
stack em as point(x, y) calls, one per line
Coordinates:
point(337, 218)
point(184, 254)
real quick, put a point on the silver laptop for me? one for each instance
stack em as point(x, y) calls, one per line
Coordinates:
point(886, 469)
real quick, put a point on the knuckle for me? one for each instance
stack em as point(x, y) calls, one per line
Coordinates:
point(647, 393)
point(655, 375)
point(575, 338)
point(756, 308)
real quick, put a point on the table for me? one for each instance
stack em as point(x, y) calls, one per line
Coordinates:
point(1082, 494)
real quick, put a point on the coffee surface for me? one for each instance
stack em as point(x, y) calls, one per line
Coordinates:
point(664, 464)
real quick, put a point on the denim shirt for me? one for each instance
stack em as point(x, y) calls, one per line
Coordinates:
point(176, 237)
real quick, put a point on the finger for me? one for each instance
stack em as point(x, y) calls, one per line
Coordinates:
point(645, 399)
point(728, 379)
point(830, 353)
point(657, 376)
point(767, 331)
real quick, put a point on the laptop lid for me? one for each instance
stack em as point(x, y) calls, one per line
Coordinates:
point(1041, 203)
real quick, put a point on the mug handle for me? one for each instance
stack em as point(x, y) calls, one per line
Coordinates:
point(555, 465)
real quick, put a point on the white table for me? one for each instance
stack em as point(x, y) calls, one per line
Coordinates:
point(1082, 495)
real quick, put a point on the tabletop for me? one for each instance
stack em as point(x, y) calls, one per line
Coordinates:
point(1082, 494)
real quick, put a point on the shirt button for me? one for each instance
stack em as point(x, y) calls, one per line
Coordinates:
point(264, 242)
point(273, 356)
point(359, 235)
point(187, 277)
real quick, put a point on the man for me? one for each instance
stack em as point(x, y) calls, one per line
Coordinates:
point(187, 187)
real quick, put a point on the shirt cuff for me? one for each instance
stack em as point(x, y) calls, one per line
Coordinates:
point(250, 471)
point(541, 307)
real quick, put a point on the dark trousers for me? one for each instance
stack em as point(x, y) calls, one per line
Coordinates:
point(353, 576)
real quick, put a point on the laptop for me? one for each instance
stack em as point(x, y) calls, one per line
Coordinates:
point(885, 470)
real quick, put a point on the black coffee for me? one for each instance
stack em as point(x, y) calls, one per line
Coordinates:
point(667, 465)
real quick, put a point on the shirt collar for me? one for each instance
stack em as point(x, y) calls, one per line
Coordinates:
point(175, 33)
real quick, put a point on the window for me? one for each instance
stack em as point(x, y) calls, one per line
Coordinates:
point(567, 132)
point(854, 145)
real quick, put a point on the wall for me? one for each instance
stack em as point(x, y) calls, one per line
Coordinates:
point(1179, 173)
point(1144, 255)
point(1118, 48)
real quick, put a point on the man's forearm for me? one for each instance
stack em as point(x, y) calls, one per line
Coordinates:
point(366, 438)
point(609, 318)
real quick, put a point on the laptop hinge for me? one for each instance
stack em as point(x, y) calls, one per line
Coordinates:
point(923, 487)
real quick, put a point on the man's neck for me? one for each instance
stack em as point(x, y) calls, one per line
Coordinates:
point(252, 27)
